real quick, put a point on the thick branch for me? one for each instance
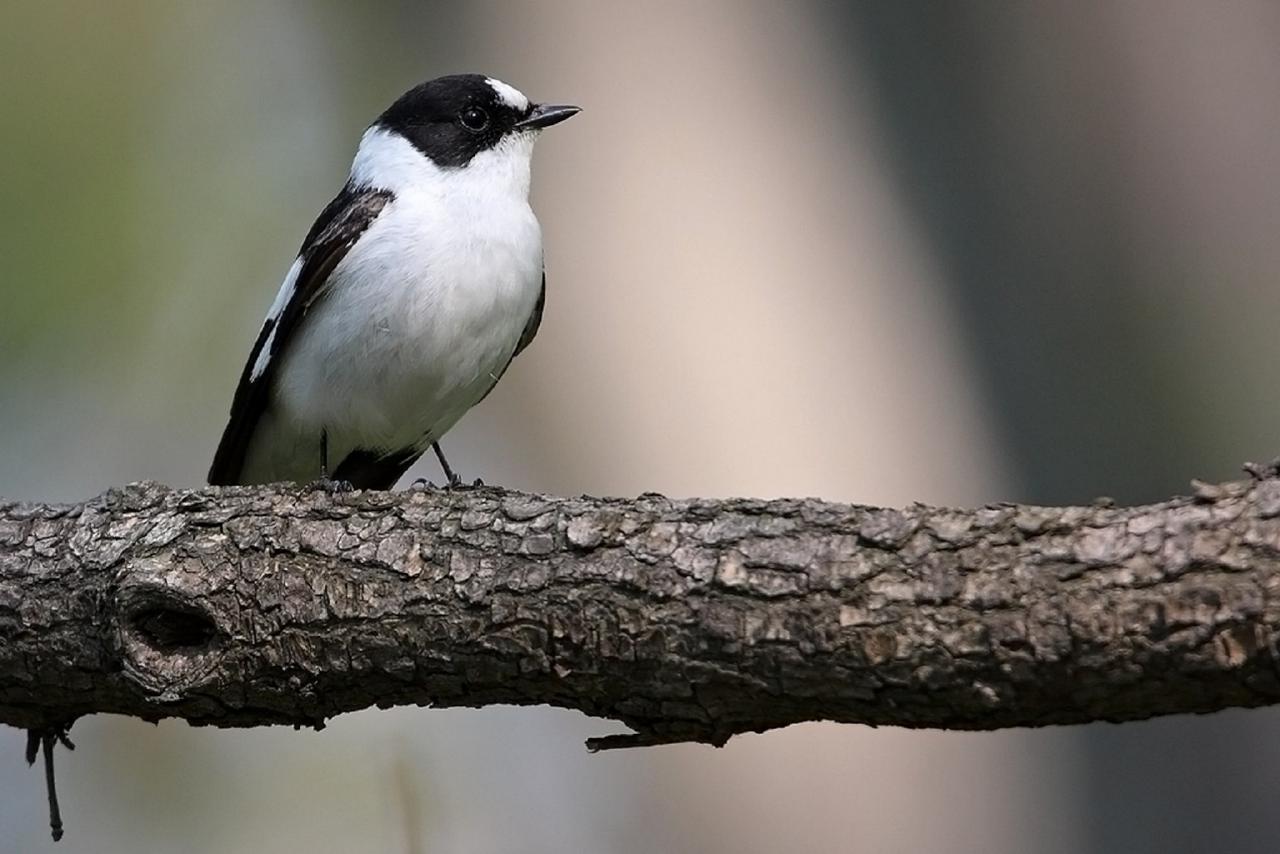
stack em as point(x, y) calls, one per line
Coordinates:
point(687, 620)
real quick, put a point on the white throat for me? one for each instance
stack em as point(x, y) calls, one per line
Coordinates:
point(387, 161)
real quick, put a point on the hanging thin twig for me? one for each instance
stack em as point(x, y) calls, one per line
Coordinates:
point(44, 741)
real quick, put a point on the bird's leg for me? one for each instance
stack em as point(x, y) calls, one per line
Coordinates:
point(324, 454)
point(326, 483)
point(453, 479)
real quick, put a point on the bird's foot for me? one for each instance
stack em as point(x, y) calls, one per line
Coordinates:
point(329, 485)
point(454, 482)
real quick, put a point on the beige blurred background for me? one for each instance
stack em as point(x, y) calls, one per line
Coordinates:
point(873, 252)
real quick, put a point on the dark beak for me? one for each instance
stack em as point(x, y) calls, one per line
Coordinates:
point(546, 115)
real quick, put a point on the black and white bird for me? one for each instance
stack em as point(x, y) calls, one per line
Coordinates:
point(412, 293)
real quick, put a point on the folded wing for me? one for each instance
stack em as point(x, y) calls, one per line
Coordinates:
point(334, 232)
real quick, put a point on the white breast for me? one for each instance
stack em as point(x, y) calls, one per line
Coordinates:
point(421, 315)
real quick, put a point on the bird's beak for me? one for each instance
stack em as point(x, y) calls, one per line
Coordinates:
point(546, 115)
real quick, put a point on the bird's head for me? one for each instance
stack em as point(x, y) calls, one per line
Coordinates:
point(455, 120)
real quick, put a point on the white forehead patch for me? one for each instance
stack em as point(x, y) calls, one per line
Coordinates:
point(509, 95)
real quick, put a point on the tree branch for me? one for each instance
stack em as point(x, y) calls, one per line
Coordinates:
point(686, 620)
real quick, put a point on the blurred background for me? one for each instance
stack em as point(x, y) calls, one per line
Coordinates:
point(873, 252)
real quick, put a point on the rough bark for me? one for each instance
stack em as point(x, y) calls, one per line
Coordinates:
point(686, 620)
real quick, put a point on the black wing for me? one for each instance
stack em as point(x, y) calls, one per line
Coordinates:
point(334, 232)
point(531, 327)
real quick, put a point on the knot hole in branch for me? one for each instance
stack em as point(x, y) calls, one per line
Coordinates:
point(168, 625)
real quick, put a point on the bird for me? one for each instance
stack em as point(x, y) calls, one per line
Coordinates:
point(412, 293)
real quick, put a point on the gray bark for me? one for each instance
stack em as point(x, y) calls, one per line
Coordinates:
point(686, 620)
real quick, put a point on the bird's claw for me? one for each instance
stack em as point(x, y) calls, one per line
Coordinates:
point(329, 485)
point(454, 482)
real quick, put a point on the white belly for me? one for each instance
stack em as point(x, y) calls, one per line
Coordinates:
point(420, 318)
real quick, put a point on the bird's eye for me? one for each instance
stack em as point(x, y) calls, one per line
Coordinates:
point(474, 119)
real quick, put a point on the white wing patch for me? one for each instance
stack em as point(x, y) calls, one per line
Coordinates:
point(509, 95)
point(273, 316)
